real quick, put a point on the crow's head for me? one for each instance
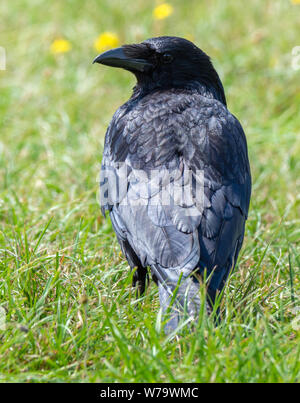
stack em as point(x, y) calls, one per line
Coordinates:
point(166, 62)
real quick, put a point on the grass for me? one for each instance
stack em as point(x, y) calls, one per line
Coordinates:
point(71, 314)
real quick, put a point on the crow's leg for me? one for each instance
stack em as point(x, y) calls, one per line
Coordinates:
point(140, 276)
point(140, 279)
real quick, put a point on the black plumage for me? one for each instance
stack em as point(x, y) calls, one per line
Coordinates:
point(175, 122)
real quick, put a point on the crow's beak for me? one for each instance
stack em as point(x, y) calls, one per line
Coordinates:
point(117, 58)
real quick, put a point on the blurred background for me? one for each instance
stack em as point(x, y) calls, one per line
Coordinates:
point(55, 107)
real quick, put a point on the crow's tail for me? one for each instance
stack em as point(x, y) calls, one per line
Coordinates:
point(178, 295)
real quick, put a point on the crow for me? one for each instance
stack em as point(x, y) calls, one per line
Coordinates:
point(175, 174)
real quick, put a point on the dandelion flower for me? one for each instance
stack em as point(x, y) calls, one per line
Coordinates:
point(60, 46)
point(105, 41)
point(190, 37)
point(295, 1)
point(162, 11)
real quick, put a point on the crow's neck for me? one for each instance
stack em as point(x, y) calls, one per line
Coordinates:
point(203, 87)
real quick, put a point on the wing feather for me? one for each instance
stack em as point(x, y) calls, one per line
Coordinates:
point(179, 131)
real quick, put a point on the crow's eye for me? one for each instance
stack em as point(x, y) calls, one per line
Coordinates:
point(167, 58)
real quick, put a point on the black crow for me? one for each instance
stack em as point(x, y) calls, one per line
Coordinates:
point(175, 174)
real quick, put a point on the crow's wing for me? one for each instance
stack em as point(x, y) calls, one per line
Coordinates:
point(178, 132)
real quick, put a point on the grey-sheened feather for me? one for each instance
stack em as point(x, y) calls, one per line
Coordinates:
point(180, 129)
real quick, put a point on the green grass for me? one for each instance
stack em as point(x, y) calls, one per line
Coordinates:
point(71, 313)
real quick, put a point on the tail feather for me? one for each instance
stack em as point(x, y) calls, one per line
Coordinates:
point(186, 301)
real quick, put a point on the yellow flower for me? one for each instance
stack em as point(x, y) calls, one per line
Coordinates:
point(162, 11)
point(105, 41)
point(295, 1)
point(190, 37)
point(60, 46)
